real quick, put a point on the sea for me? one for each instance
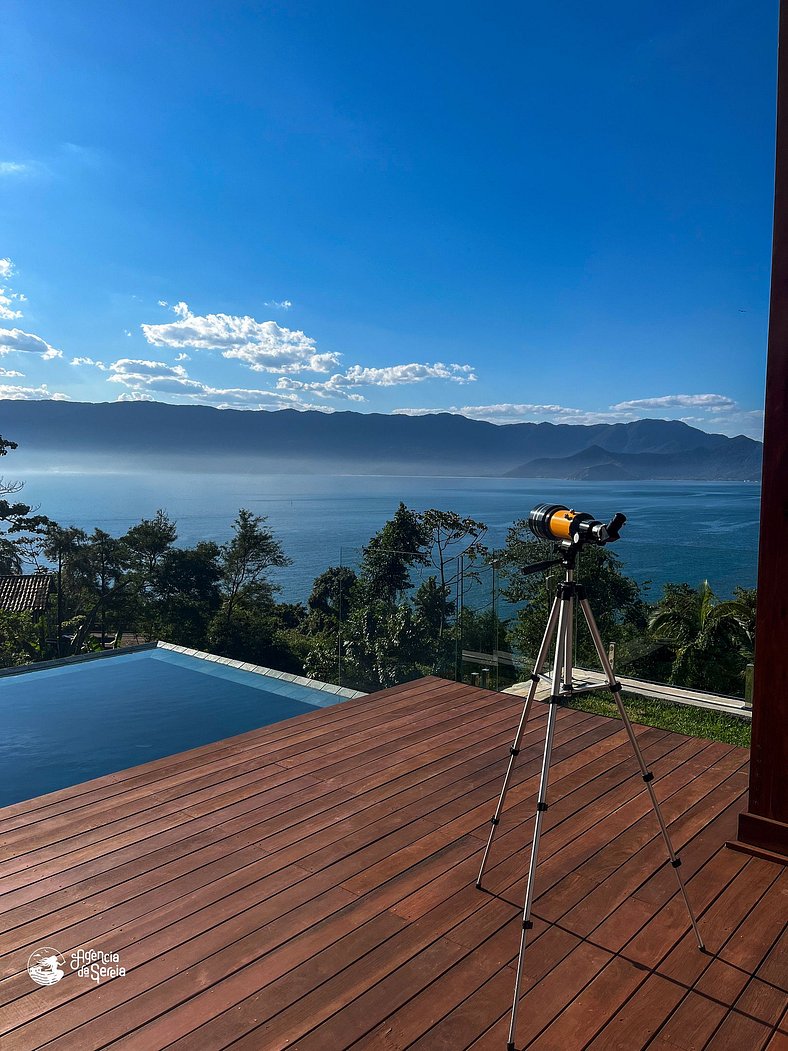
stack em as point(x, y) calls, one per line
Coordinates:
point(675, 531)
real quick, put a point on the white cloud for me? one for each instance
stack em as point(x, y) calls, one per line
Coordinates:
point(424, 412)
point(524, 412)
point(344, 384)
point(163, 303)
point(137, 370)
point(143, 376)
point(182, 310)
point(527, 411)
point(41, 393)
point(715, 412)
point(279, 304)
point(182, 357)
point(10, 373)
point(126, 332)
point(335, 387)
point(135, 395)
point(8, 312)
point(263, 346)
point(89, 361)
point(394, 375)
point(13, 168)
point(714, 402)
point(14, 339)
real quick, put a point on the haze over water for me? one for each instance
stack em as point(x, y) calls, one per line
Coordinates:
point(676, 531)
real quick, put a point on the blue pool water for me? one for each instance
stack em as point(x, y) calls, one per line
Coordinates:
point(63, 725)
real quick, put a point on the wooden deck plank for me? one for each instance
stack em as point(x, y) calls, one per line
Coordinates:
point(263, 761)
point(312, 884)
point(328, 723)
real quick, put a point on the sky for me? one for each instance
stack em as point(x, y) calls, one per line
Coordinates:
point(516, 211)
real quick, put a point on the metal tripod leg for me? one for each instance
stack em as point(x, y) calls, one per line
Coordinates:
point(514, 751)
point(563, 639)
point(569, 673)
point(647, 776)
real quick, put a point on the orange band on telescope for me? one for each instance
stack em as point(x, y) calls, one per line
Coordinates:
point(561, 525)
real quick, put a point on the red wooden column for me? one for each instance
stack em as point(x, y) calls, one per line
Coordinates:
point(764, 825)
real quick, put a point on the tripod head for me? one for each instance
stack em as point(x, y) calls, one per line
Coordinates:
point(570, 531)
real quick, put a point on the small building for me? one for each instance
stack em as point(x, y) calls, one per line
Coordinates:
point(25, 593)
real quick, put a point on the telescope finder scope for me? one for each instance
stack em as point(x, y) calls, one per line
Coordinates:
point(560, 525)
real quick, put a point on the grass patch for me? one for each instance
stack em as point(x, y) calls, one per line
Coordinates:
point(681, 718)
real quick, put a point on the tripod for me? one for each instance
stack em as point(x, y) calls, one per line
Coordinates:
point(560, 626)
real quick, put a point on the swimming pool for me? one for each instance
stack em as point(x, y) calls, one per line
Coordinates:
point(72, 721)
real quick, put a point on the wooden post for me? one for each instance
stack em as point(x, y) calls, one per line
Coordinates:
point(763, 827)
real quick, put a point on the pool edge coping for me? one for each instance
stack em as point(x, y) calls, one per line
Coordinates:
point(259, 669)
point(256, 669)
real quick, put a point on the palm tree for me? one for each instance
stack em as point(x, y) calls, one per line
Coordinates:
point(739, 614)
point(705, 636)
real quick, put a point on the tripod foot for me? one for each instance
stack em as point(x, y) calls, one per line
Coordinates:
point(479, 885)
point(510, 1046)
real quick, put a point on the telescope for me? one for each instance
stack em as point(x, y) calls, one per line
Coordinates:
point(560, 525)
point(570, 531)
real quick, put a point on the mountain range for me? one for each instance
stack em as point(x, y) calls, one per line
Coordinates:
point(133, 435)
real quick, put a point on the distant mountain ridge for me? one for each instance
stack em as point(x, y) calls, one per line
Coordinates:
point(595, 464)
point(140, 434)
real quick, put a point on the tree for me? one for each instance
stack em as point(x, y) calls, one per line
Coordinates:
point(331, 598)
point(22, 639)
point(450, 537)
point(188, 593)
point(106, 556)
point(246, 560)
point(392, 552)
point(148, 542)
point(739, 614)
point(65, 547)
point(23, 529)
point(702, 635)
point(617, 601)
point(146, 546)
point(383, 645)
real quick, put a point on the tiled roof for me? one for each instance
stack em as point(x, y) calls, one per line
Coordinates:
point(20, 594)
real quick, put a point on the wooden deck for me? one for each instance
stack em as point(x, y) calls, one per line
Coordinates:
point(311, 885)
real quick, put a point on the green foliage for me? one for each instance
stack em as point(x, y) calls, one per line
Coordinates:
point(617, 601)
point(391, 554)
point(21, 529)
point(450, 536)
point(483, 631)
point(187, 593)
point(148, 542)
point(710, 642)
point(432, 607)
point(383, 644)
point(381, 627)
point(331, 599)
point(245, 562)
point(21, 639)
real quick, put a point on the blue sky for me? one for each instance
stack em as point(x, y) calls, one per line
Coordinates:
point(520, 211)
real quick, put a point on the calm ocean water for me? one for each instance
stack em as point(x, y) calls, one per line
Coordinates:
point(676, 531)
